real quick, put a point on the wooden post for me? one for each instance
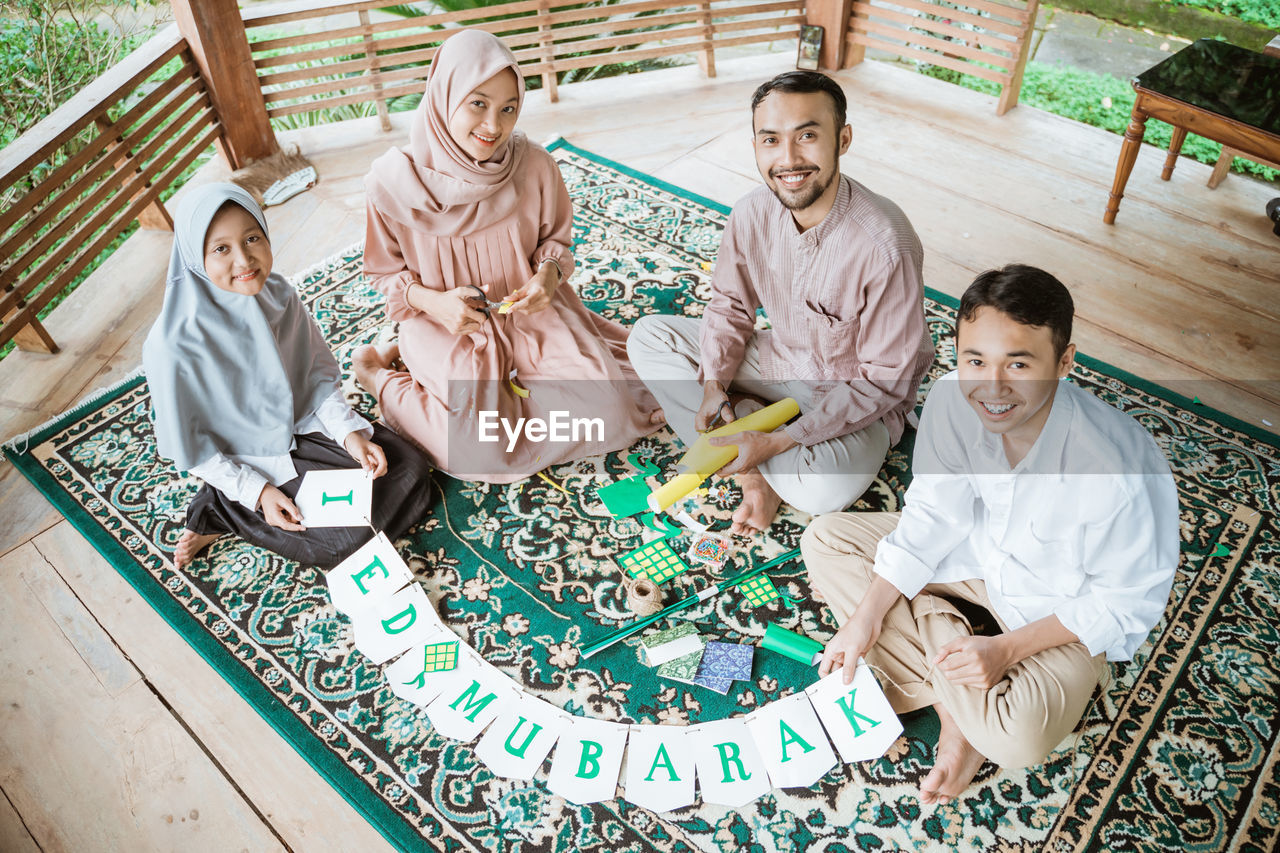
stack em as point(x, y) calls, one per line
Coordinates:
point(548, 51)
point(833, 17)
point(371, 53)
point(215, 32)
point(707, 59)
point(1010, 90)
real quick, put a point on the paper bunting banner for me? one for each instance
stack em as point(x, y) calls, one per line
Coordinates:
point(475, 694)
point(413, 677)
point(655, 561)
point(791, 742)
point(587, 761)
point(520, 738)
point(367, 577)
point(401, 621)
point(730, 771)
point(335, 498)
point(660, 770)
point(758, 590)
point(857, 716)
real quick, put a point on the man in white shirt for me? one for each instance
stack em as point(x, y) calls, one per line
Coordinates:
point(1031, 498)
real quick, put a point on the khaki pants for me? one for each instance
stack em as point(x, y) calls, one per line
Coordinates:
point(824, 477)
point(1016, 723)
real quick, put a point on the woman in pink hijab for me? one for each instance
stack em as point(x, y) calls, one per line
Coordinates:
point(468, 216)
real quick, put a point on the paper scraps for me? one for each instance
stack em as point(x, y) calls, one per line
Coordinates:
point(709, 550)
point(629, 496)
point(671, 644)
point(655, 561)
point(341, 497)
point(758, 590)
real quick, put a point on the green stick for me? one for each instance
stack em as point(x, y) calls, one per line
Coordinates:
point(698, 597)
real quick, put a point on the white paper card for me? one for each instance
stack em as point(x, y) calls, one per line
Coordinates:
point(402, 620)
point(471, 700)
point(521, 737)
point(730, 771)
point(660, 769)
point(341, 497)
point(587, 761)
point(674, 649)
point(368, 576)
point(791, 742)
point(857, 716)
point(408, 677)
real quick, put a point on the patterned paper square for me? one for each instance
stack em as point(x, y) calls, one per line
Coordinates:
point(440, 657)
point(758, 590)
point(681, 669)
point(726, 660)
point(655, 561)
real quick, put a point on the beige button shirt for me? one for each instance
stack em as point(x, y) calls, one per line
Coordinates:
point(844, 301)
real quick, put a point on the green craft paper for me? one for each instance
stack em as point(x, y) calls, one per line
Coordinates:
point(669, 529)
point(682, 668)
point(790, 644)
point(625, 497)
point(644, 465)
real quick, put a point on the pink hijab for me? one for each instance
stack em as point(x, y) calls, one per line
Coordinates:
point(432, 185)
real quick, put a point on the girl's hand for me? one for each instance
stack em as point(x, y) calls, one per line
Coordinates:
point(279, 510)
point(368, 454)
point(537, 291)
point(452, 309)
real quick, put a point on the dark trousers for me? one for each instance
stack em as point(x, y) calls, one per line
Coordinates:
point(401, 498)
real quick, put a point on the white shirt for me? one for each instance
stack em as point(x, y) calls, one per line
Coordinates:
point(242, 478)
point(1085, 527)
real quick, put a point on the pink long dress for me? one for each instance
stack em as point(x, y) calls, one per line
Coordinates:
point(571, 360)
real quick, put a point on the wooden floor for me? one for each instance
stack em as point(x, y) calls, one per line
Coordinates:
point(114, 734)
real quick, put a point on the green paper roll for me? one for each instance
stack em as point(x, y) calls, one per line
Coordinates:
point(790, 644)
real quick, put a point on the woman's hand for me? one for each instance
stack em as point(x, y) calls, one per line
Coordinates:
point(452, 309)
point(368, 454)
point(537, 291)
point(279, 510)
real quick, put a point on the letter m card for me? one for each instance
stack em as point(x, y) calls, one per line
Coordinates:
point(857, 716)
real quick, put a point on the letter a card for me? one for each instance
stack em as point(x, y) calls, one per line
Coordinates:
point(587, 761)
point(791, 741)
point(660, 770)
point(342, 497)
point(857, 716)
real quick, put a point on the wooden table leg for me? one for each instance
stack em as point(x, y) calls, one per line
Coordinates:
point(1175, 145)
point(1128, 154)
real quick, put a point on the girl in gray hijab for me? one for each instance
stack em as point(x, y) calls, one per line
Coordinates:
point(246, 396)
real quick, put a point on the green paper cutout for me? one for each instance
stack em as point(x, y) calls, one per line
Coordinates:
point(643, 464)
point(1220, 551)
point(630, 495)
point(758, 590)
point(668, 529)
point(655, 561)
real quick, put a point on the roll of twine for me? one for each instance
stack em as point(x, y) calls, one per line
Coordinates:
point(643, 596)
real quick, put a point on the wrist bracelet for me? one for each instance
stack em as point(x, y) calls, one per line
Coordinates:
point(554, 262)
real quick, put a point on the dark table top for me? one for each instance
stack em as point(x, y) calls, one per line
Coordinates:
point(1222, 78)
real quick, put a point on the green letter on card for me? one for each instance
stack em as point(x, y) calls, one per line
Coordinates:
point(731, 755)
point(473, 706)
point(591, 752)
point(789, 736)
point(665, 760)
point(533, 733)
point(410, 614)
point(854, 716)
point(348, 498)
point(367, 572)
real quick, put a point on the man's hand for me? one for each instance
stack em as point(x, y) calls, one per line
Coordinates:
point(453, 309)
point(537, 291)
point(368, 454)
point(754, 447)
point(279, 510)
point(975, 661)
point(715, 404)
point(851, 642)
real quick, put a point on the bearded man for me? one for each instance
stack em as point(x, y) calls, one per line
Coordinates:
point(837, 270)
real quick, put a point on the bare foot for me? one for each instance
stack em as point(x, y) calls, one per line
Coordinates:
point(958, 762)
point(657, 417)
point(190, 545)
point(759, 504)
point(367, 360)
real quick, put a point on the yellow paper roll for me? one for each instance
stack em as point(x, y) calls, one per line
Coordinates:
point(704, 459)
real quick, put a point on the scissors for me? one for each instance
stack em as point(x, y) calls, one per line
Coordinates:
point(488, 304)
point(719, 420)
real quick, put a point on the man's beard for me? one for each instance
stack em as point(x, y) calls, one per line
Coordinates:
point(803, 198)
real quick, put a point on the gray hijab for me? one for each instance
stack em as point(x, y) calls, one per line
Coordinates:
point(229, 373)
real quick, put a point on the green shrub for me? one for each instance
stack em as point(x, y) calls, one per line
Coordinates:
point(1264, 12)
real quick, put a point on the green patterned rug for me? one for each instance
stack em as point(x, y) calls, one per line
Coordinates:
point(1180, 752)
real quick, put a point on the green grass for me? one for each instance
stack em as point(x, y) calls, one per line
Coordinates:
point(1264, 12)
point(1098, 100)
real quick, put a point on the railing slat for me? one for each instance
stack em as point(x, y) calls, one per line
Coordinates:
point(991, 41)
point(992, 24)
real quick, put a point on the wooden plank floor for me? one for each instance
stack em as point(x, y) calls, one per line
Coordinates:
point(116, 735)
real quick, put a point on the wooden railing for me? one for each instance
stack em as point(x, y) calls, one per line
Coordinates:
point(79, 178)
point(366, 60)
point(985, 38)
